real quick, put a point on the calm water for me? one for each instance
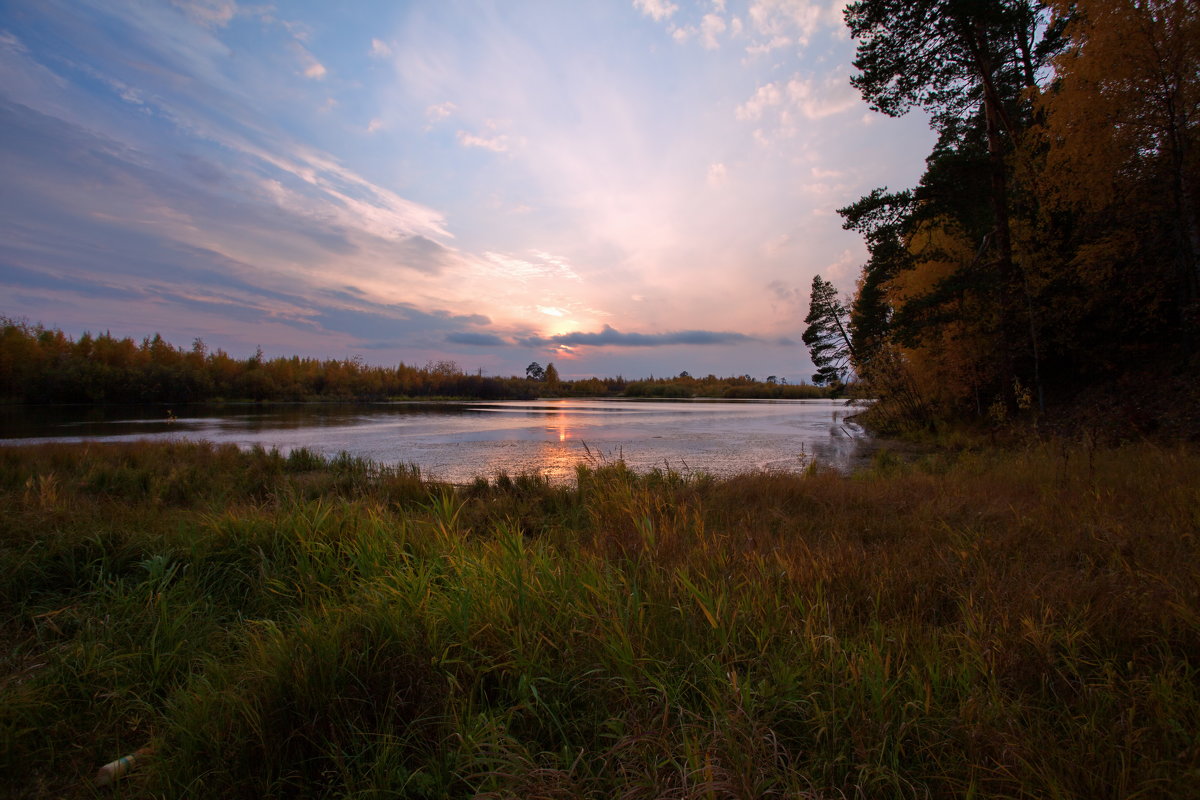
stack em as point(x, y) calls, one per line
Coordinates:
point(458, 441)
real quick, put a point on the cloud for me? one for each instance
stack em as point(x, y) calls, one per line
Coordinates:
point(439, 112)
point(298, 30)
point(185, 284)
point(492, 140)
point(321, 185)
point(90, 212)
point(657, 9)
point(497, 144)
point(711, 27)
point(826, 174)
point(785, 292)
point(380, 49)
point(210, 13)
point(780, 21)
point(767, 46)
point(11, 42)
point(717, 175)
point(375, 125)
point(843, 271)
point(401, 324)
point(475, 339)
point(774, 247)
point(682, 33)
point(782, 104)
point(16, 277)
point(764, 97)
point(816, 100)
point(310, 67)
point(537, 266)
point(611, 337)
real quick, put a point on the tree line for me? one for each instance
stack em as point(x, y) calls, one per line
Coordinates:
point(45, 365)
point(1051, 244)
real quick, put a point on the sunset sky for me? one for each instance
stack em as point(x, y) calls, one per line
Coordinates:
point(618, 186)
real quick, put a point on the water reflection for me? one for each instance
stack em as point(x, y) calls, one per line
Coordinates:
point(458, 441)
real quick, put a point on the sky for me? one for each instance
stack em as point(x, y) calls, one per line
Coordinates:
point(620, 187)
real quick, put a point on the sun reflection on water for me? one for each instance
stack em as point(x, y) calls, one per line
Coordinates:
point(558, 460)
point(458, 443)
point(560, 424)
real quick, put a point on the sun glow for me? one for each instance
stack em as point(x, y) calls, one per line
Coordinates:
point(561, 326)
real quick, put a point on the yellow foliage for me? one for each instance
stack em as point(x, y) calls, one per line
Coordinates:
point(940, 248)
point(946, 364)
point(1127, 90)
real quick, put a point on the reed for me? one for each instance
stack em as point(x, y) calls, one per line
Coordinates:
point(989, 624)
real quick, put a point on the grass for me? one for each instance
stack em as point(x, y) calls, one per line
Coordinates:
point(1022, 624)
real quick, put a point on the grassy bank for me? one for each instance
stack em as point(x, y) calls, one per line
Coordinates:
point(1006, 625)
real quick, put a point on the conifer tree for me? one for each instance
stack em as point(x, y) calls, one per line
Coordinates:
point(827, 335)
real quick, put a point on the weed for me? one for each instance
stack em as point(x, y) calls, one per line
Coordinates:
point(1020, 624)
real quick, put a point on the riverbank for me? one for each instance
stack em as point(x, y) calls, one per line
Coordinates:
point(1021, 624)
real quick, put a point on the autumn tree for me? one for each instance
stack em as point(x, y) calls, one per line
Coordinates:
point(1123, 147)
point(969, 64)
point(1055, 230)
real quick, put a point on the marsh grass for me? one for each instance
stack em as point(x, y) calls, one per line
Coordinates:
point(1019, 624)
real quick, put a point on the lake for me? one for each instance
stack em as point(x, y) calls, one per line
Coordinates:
point(457, 441)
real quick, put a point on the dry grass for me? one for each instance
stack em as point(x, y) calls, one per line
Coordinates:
point(1020, 624)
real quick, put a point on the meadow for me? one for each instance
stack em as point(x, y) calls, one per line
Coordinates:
point(981, 623)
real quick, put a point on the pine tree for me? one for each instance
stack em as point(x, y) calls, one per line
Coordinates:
point(827, 335)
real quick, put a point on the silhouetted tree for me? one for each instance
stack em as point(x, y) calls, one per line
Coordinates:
point(827, 336)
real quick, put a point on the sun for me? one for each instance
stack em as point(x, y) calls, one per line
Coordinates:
point(560, 326)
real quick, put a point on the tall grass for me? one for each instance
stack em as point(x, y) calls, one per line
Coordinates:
point(1007, 625)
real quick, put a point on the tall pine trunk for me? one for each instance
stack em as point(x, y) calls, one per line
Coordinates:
point(1012, 285)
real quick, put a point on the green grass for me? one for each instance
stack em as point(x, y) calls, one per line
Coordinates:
point(1021, 624)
